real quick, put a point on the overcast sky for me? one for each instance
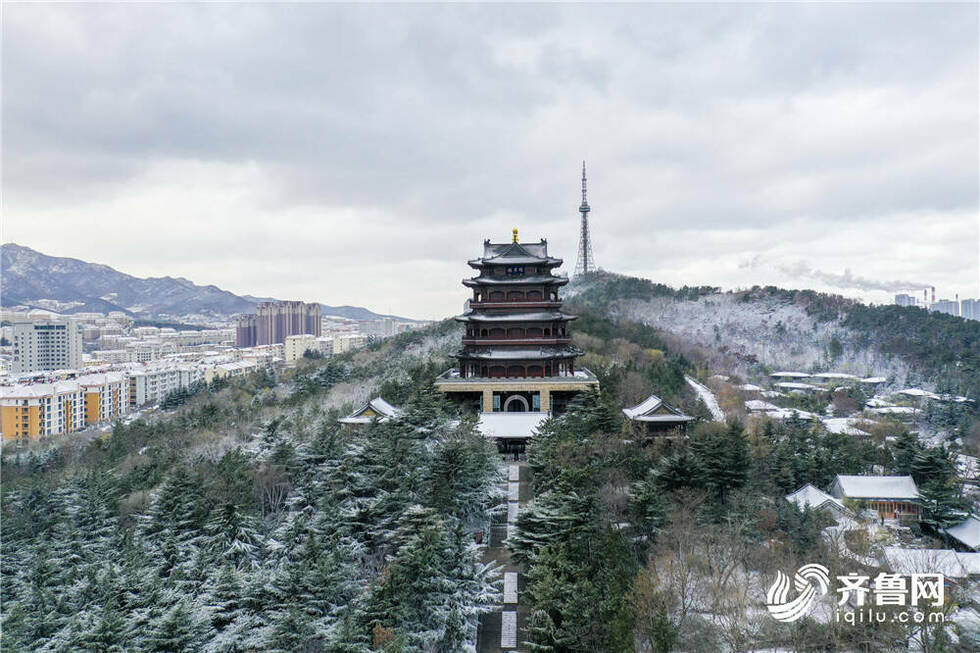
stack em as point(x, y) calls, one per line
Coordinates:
point(360, 154)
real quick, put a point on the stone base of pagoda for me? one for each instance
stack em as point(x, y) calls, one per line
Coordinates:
point(517, 394)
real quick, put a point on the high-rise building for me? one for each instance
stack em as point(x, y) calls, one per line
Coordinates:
point(970, 309)
point(51, 345)
point(274, 321)
point(517, 354)
point(946, 306)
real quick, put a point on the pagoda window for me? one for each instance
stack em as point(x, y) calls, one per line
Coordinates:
point(497, 371)
point(515, 270)
point(554, 295)
point(534, 332)
point(483, 371)
point(547, 332)
point(516, 370)
point(497, 332)
point(535, 370)
point(515, 296)
point(515, 332)
point(483, 333)
point(497, 296)
point(534, 296)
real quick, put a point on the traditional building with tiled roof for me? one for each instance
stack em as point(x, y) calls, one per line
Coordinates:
point(516, 353)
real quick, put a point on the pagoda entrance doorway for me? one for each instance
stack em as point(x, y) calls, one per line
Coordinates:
point(516, 404)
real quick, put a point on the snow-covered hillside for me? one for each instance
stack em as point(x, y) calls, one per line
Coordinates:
point(746, 337)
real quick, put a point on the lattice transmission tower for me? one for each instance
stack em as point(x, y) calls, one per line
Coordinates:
point(586, 261)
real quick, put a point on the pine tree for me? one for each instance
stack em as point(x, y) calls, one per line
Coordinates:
point(176, 630)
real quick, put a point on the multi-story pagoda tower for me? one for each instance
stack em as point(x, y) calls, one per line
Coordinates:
point(517, 354)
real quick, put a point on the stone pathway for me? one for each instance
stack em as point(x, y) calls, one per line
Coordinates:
point(500, 632)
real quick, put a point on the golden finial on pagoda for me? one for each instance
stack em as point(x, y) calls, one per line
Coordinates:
point(515, 235)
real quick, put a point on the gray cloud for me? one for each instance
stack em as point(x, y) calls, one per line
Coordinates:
point(165, 138)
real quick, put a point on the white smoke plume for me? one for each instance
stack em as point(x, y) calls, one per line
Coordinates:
point(803, 270)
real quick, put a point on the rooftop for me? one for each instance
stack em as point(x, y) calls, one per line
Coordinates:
point(580, 376)
point(813, 497)
point(377, 408)
point(967, 533)
point(877, 487)
point(655, 409)
point(509, 425)
point(515, 253)
point(530, 316)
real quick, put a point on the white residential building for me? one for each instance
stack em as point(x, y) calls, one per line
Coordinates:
point(48, 345)
point(343, 343)
point(297, 345)
point(152, 383)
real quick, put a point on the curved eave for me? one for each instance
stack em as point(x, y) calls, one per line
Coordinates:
point(557, 316)
point(475, 282)
point(518, 354)
point(515, 260)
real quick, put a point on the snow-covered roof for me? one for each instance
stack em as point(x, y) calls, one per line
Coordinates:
point(833, 375)
point(843, 425)
point(748, 387)
point(896, 410)
point(377, 408)
point(873, 380)
point(757, 405)
point(918, 392)
point(772, 394)
point(719, 377)
point(790, 413)
point(790, 375)
point(877, 487)
point(967, 533)
point(502, 425)
point(786, 385)
point(537, 353)
point(970, 562)
point(814, 497)
point(655, 409)
point(530, 316)
point(924, 561)
point(878, 402)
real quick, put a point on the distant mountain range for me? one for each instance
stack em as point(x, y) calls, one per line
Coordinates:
point(68, 285)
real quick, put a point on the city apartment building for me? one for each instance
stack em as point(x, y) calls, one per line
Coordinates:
point(149, 385)
point(346, 342)
point(49, 345)
point(32, 411)
point(273, 322)
point(43, 409)
point(298, 345)
point(106, 396)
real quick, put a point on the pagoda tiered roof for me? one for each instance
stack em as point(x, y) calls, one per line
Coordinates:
point(539, 279)
point(529, 316)
point(515, 253)
point(536, 353)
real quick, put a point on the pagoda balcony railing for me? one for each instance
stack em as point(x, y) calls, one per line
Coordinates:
point(517, 304)
point(542, 340)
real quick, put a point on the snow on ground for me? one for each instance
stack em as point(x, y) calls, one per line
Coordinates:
point(772, 332)
point(708, 397)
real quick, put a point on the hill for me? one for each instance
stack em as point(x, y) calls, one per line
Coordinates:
point(68, 285)
point(755, 331)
